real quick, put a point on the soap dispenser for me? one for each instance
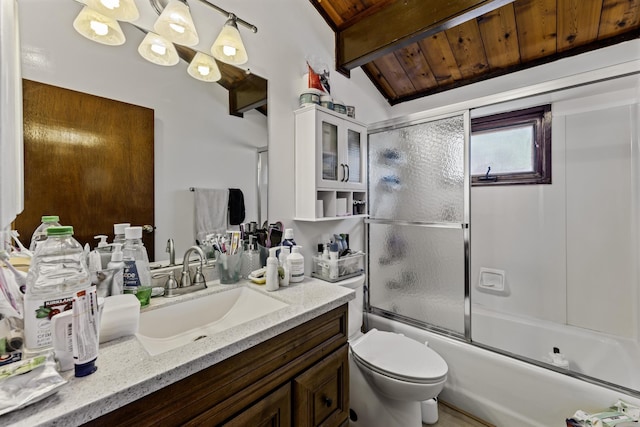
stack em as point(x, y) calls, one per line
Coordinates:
point(272, 270)
point(286, 266)
point(104, 250)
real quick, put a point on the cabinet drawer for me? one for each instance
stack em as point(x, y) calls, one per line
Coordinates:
point(321, 394)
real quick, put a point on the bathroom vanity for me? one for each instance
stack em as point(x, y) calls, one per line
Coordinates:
point(288, 367)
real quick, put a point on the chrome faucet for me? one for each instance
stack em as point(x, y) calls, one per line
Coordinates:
point(185, 277)
point(172, 252)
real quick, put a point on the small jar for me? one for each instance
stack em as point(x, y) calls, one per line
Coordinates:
point(339, 107)
point(326, 101)
point(310, 97)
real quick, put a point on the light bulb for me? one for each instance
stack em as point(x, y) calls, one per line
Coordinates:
point(229, 50)
point(203, 67)
point(177, 28)
point(110, 4)
point(159, 49)
point(99, 28)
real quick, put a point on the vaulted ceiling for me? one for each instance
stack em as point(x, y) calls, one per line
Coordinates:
point(415, 48)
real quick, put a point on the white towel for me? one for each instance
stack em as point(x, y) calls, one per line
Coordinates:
point(211, 208)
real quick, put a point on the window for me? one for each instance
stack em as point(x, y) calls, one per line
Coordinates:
point(512, 148)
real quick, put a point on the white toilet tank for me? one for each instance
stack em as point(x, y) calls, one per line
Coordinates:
point(356, 306)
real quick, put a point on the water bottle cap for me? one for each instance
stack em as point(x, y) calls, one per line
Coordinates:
point(50, 218)
point(65, 230)
point(119, 228)
point(133, 233)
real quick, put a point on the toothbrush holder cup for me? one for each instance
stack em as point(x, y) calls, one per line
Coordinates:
point(229, 267)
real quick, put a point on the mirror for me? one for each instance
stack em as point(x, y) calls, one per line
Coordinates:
point(554, 268)
point(197, 142)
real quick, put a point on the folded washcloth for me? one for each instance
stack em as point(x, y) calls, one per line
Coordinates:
point(211, 206)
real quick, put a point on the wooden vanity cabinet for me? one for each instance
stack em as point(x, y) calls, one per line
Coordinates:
point(298, 378)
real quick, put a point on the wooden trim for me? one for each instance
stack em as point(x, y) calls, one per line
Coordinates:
point(540, 118)
point(404, 22)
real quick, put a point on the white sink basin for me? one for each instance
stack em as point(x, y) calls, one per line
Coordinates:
point(175, 325)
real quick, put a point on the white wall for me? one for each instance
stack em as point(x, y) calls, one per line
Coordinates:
point(197, 143)
point(568, 249)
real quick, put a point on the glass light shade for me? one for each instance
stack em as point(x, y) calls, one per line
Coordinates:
point(228, 47)
point(122, 10)
point(157, 49)
point(203, 67)
point(175, 23)
point(99, 28)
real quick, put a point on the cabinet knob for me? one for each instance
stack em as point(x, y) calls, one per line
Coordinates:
point(327, 401)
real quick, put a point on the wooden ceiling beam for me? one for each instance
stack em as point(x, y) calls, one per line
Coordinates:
point(401, 23)
point(250, 93)
point(246, 91)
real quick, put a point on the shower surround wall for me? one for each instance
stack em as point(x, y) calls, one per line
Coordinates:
point(569, 249)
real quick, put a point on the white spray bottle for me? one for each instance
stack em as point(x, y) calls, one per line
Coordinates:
point(272, 270)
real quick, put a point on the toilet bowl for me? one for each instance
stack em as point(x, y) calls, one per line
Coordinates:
point(390, 374)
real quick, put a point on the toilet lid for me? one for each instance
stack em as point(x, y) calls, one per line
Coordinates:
point(399, 357)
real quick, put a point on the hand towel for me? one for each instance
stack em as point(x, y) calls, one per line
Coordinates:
point(210, 211)
point(236, 206)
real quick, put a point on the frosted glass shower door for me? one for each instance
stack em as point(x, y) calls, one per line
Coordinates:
point(418, 225)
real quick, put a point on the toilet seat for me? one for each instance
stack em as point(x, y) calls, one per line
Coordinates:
point(399, 357)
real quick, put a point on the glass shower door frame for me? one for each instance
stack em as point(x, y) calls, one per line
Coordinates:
point(464, 226)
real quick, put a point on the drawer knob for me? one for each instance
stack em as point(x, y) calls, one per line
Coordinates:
point(327, 401)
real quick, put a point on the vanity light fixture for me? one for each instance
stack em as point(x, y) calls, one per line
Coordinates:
point(99, 28)
point(228, 47)
point(203, 67)
point(176, 24)
point(98, 21)
point(122, 10)
point(155, 48)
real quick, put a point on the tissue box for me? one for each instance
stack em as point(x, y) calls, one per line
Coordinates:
point(337, 270)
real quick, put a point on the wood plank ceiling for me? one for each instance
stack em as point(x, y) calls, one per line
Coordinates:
point(463, 47)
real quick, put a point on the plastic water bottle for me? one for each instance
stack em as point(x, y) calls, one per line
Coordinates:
point(58, 269)
point(40, 234)
point(118, 232)
point(137, 275)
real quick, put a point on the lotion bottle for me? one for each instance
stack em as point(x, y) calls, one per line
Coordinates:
point(296, 261)
point(272, 270)
point(286, 266)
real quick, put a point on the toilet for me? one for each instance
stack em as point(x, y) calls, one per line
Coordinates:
point(390, 374)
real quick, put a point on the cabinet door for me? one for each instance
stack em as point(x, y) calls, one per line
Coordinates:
point(331, 170)
point(354, 151)
point(321, 394)
point(274, 410)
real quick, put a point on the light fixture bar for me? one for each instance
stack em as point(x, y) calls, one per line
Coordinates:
point(240, 21)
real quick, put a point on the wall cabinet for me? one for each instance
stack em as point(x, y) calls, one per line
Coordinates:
point(298, 378)
point(330, 164)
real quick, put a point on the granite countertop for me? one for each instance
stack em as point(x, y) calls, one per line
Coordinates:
point(126, 372)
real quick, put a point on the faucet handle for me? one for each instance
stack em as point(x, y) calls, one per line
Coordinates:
point(170, 284)
point(198, 277)
point(185, 279)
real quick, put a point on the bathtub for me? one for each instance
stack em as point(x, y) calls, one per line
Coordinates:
point(609, 358)
point(503, 390)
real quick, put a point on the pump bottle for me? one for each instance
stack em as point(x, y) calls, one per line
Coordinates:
point(272, 270)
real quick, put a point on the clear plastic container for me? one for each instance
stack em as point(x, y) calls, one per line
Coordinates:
point(137, 274)
point(40, 233)
point(339, 269)
point(251, 259)
point(58, 269)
